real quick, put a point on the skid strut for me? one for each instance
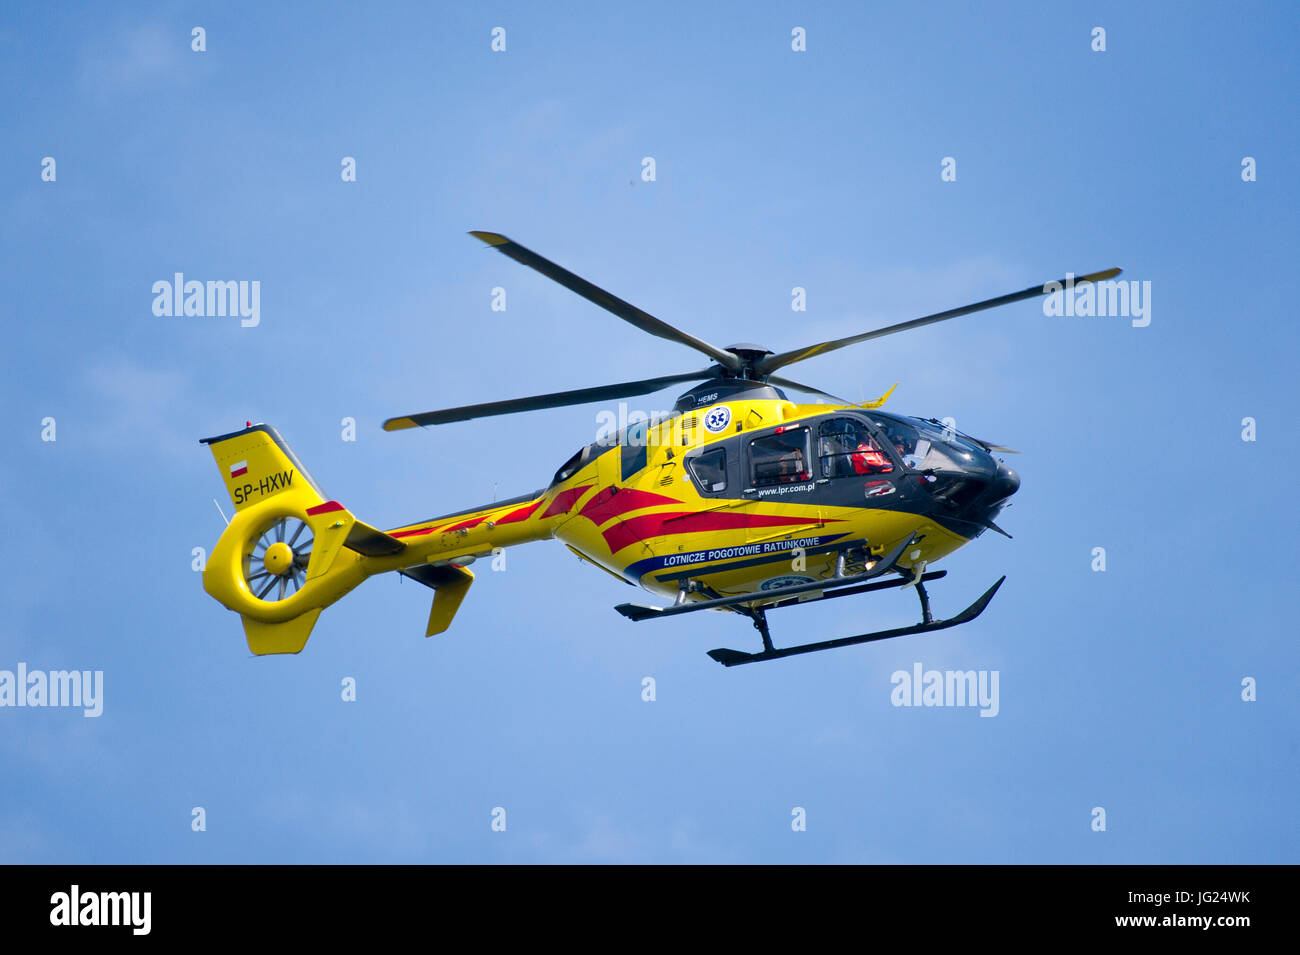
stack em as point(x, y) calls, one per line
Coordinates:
point(926, 616)
point(760, 624)
point(877, 569)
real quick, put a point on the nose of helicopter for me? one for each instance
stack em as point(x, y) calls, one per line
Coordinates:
point(988, 484)
point(999, 487)
point(1005, 482)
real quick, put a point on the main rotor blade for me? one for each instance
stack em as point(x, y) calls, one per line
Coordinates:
point(558, 399)
point(807, 389)
point(611, 303)
point(773, 362)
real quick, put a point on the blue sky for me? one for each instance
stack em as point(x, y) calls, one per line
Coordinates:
point(775, 169)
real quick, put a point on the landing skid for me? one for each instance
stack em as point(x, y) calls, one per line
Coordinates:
point(756, 605)
point(731, 658)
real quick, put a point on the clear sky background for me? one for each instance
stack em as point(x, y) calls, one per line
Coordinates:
point(775, 169)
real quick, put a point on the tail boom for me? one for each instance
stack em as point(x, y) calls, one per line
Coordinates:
point(260, 549)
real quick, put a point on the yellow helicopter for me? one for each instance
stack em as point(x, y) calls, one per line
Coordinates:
point(739, 500)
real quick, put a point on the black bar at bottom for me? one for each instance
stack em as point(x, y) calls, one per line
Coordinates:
point(925, 904)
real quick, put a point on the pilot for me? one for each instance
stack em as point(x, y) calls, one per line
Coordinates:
point(899, 444)
point(867, 460)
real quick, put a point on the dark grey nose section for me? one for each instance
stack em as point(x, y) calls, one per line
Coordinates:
point(1005, 482)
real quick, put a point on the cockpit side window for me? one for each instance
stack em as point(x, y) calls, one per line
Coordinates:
point(635, 448)
point(924, 445)
point(780, 458)
point(709, 470)
point(908, 442)
point(847, 448)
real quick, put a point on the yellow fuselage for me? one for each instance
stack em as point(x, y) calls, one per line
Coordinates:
point(656, 529)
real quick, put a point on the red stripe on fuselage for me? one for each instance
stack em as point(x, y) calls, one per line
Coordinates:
point(520, 514)
point(415, 533)
point(469, 523)
point(565, 500)
point(325, 508)
point(612, 501)
point(636, 529)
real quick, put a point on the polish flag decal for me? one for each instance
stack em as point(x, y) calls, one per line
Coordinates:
point(238, 470)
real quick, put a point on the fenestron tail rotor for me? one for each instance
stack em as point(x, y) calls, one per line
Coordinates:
point(276, 566)
point(747, 363)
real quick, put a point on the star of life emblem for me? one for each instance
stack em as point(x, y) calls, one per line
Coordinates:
point(717, 418)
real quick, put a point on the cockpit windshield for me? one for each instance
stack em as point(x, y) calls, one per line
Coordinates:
point(584, 456)
point(570, 467)
point(925, 445)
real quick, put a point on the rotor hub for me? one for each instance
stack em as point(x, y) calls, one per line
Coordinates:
point(279, 558)
point(750, 356)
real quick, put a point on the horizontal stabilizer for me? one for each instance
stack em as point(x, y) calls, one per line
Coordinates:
point(371, 542)
point(435, 577)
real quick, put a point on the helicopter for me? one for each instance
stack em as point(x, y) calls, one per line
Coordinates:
point(739, 500)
